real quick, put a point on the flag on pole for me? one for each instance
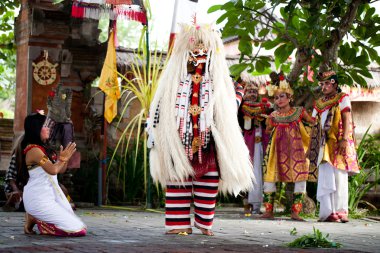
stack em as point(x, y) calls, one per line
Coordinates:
point(108, 82)
point(184, 12)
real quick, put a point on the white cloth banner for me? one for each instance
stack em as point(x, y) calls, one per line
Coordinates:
point(184, 12)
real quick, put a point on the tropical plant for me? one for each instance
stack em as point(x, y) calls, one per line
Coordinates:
point(368, 157)
point(126, 179)
point(7, 49)
point(144, 70)
point(85, 179)
point(315, 240)
point(127, 176)
point(141, 88)
point(281, 194)
point(342, 34)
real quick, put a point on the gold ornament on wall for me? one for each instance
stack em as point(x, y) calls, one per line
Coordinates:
point(45, 72)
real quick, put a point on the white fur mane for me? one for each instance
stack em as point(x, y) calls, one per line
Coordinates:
point(168, 161)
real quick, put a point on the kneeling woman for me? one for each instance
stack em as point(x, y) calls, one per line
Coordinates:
point(44, 201)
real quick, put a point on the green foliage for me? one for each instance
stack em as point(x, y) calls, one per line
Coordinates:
point(85, 180)
point(126, 178)
point(126, 173)
point(145, 70)
point(307, 29)
point(315, 240)
point(8, 114)
point(140, 89)
point(369, 177)
point(7, 10)
point(7, 49)
point(280, 193)
point(8, 75)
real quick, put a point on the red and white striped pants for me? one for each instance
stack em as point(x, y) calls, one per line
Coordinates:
point(202, 190)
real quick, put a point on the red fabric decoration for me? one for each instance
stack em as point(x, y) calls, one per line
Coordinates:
point(119, 2)
point(77, 11)
point(30, 146)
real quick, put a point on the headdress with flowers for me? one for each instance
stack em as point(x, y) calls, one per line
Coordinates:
point(278, 84)
point(328, 76)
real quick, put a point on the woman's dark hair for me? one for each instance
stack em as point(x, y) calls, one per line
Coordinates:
point(17, 150)
point(32, 126)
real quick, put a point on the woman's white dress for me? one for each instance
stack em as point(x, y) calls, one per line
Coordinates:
point(44, 199)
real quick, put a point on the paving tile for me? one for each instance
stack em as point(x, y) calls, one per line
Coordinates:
point(128, 231)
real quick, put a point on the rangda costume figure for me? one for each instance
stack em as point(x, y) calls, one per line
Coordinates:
point(198, 147)
point(332, 149)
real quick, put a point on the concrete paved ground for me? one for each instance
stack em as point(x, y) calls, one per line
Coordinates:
point(114, 230)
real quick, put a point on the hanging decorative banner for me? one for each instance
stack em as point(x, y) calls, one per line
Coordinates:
point(110, 9)
point(119, 2)
point(108, 82)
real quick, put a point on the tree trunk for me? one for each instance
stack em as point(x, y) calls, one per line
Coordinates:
point(330, 52)
point(302, 59)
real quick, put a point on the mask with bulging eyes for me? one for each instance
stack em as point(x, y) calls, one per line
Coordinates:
point(251, 93)
point(198, 55)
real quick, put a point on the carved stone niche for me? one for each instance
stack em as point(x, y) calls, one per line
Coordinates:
point(38, 17)
point(66, 60)
point(87, 32)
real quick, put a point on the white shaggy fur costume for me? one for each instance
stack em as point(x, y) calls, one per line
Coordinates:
point(168, 161)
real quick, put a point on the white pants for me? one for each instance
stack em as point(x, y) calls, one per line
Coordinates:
point(255, 196)
point(298, 187)
point(332, 192)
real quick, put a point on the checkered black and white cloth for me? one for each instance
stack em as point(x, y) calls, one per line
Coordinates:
point(10, 174)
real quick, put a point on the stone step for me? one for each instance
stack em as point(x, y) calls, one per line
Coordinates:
point(6, 131)
point(6, 122)
point(6, 128)
point(6, 146)
point(6, 135)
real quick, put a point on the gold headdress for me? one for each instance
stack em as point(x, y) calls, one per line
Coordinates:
point(279, 84)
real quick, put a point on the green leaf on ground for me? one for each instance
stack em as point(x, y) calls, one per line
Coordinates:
point(315, 240)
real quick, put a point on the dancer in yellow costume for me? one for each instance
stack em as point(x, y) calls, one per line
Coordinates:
point(285, 160)
point(332, 149)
